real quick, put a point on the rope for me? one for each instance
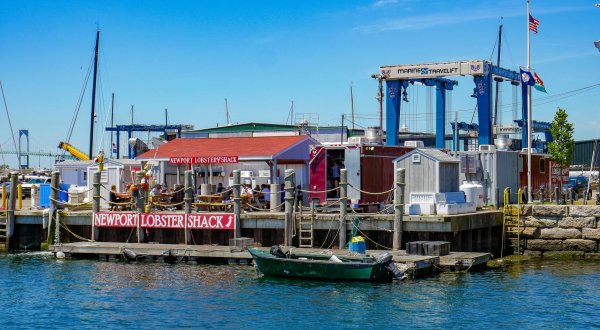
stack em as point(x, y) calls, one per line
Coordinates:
point(372, 193)
point(319, 191)
point(259, 209)
point(68, 193)
point(367, 237)
point(75, 235)
point(71, 204)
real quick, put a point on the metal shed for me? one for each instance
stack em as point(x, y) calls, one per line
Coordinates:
point(428, 170)
point(495, 170)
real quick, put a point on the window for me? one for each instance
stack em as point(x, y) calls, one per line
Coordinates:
point(416, 158)
point(542, 165)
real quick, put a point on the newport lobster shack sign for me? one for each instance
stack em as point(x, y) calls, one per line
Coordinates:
point(211, 221)
point(203, 160)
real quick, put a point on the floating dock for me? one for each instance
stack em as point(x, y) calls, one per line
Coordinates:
point(415, 265)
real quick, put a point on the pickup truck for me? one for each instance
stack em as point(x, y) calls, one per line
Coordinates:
point(579, 185)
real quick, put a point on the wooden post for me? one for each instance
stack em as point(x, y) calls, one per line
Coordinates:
point(95, 202)
point(343, 206)
point(139, 203)
point(188, 199)
point(289, 206)
point(10, 225)
point(237, 201)
point(398, 208)
point(54, 181)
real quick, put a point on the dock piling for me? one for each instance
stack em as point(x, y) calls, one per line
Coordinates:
point(289, 205)
point(95, 201)
point(343, 206)
point(139, 202)
point(237, 201)
point(398, 208)
point(188, 199)
point(12, 203)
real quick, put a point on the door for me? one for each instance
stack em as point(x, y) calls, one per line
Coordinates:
point(318, 173)
point(352, 166)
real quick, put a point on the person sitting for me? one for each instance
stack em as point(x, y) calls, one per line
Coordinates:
point(177, 197)
point(156, 191)
point(219, 188)
point(267, 195)
point(113, 197)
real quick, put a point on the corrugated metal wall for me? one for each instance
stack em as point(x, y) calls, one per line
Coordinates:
point(582, 153)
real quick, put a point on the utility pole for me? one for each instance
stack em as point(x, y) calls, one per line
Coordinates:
point(380, 100)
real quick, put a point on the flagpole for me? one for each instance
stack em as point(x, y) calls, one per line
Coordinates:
point(529, 112)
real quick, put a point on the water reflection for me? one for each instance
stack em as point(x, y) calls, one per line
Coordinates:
point(77, 293)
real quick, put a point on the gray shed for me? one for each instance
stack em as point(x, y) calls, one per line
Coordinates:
point(428, 170)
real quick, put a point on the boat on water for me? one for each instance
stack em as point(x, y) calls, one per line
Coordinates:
point(276, 262)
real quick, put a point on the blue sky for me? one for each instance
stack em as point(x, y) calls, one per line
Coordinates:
point(187, 56)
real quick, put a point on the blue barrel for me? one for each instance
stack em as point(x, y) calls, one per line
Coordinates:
point(45, 195)
point(357, 245)
point(63, 193)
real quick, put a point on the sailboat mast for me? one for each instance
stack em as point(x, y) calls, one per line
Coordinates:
point(529, 112)
point(498, 65)
point(93, 115)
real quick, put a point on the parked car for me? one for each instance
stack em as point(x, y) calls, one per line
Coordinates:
point(30, 181)
point(579, 185)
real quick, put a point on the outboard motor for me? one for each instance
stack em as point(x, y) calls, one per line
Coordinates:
point(277, 251)
point(387, 260)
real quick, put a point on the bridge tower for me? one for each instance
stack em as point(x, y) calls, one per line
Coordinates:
point(24, 156)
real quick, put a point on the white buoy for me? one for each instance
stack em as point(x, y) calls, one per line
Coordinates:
point(60, 255)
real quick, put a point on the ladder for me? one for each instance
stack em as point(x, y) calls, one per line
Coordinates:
point(306, 230)
point(3, 232)
point(512, 223)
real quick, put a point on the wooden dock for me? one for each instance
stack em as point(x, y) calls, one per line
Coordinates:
point(415, 265)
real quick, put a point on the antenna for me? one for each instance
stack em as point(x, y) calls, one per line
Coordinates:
point(227, 113)
point(352, 104)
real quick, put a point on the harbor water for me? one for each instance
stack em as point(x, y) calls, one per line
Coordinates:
point(38, 291)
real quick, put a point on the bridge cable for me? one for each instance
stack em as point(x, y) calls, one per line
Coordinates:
point(12, 133)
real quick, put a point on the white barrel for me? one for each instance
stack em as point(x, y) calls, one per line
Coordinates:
point(478, 194)
point(470, 191)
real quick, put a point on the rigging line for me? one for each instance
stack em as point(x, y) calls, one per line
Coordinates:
point(12, 133)
point(79, 102)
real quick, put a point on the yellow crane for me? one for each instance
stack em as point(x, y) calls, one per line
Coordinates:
point(73, 151)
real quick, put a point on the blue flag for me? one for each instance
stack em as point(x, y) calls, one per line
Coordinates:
point(527, 78)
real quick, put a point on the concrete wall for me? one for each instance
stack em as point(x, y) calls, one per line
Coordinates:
point(551, 230)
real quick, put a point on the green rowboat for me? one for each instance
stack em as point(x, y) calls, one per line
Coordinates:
point(325, 267)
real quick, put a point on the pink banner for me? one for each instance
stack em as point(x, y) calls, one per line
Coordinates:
point(212, 221)
point(204, 160)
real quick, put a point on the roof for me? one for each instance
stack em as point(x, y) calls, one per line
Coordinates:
point(267, 127)
point(75, 163)
point(247, 127)
point(245, 148)
point(433, 154)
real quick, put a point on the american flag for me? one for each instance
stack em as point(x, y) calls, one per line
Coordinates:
point(533, 24)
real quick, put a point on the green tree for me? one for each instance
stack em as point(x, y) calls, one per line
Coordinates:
point(561, 148)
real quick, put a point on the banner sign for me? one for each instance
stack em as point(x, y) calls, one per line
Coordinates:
point(431, 70)
point(557, 174)
point(204, 160)
point(213, 221)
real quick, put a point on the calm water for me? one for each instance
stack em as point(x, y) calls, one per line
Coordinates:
point(37, 291)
